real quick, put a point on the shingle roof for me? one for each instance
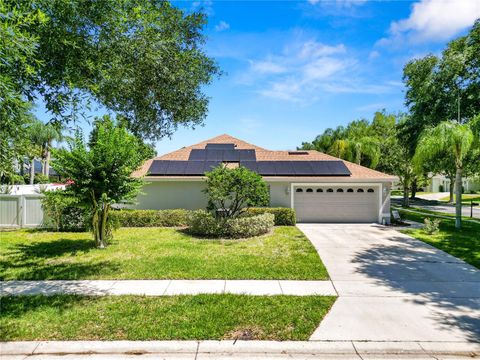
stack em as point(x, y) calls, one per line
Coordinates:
point(357, 171)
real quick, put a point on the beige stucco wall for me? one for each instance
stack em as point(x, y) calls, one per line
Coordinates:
point(188, 195)
point(172, 195)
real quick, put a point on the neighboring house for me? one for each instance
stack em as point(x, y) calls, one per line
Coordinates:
point(440, 183)
point(320, 187)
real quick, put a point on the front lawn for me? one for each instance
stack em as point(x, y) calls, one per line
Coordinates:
point(158, 253)
point(463, 244)
point(70, 317)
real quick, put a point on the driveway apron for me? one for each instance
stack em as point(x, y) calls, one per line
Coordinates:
point(392, 287)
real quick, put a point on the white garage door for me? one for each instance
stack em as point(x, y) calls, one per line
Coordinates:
point(336, 203)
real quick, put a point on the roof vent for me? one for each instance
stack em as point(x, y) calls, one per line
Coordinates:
point(298, 153)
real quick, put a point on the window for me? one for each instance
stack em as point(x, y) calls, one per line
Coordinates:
point(350, 190)
point(360, 190)
point(309, 190)
point(339, 190)
point(329, 190)
point(299, 190)
point(370, 190)
point(319, 190)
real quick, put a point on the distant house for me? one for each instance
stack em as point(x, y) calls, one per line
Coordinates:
point(440, 183)
point(320, 187)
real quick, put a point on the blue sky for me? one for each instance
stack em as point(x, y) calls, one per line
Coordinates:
point(295, 68)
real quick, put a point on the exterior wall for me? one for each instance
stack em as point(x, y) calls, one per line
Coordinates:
point(279, 194)
point(158, 195)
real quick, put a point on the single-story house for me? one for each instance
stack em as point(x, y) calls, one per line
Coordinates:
point(440, 183)
point(320, 187)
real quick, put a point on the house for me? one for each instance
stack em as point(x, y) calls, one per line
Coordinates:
point(320, 187)
point(440, 183)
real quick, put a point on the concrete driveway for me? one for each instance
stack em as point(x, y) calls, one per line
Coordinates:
point(394, 288)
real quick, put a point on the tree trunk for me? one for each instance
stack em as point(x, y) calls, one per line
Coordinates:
point(451, 188)
point(32, 171)
point(458, 206)
point(406, 201)
point(414, 189)
point(47, 163)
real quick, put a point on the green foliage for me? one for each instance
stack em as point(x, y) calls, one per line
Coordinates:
point(141, 59)
point(150, 218)
point(101, 172)
point(41, 179)
point(283, 216)
point(431, 226)
point(231, 190)
point(203, 223)
point(55, 204)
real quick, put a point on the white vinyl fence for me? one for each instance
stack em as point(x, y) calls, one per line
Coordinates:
point(21, 210)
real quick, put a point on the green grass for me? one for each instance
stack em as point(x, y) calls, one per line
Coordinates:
point(70, 317)
point(466, 198)
point(436, 213)
point(463, 244)
point(158, 253)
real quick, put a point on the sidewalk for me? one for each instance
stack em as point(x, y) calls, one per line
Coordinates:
point(168, 287)
point(237, 349)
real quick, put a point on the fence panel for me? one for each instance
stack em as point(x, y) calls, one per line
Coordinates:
point(10, 211)
point(33, 211)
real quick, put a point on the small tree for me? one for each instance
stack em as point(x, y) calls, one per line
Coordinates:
point(101, 171)
point(229, 191)
point(54, 203)
point(453, 140)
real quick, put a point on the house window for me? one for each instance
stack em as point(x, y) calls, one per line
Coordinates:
point(360, 190)
point(350, 190)
point(319, 190)
point(309, 190)
point(370, 190)
point(329, 190)
point(299, 190)
point(339, 190)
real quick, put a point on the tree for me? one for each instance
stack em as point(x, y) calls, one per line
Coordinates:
point(100, 171)
point(141, 59)
point(453, 139)
point(229, 191)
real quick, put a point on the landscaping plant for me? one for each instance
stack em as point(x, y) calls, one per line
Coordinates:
point(100, 171)
point(230, 191)
point(431, 226)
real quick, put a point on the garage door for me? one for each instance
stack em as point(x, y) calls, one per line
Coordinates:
point(336, 204)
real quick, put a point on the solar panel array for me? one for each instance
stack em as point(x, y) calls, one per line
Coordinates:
point(264, 168)
point(231, 155)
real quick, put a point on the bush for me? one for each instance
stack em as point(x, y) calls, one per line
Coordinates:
point(283, 216)
point(249, 226)
point(431, 226)
point(73, 218)
point(203, 223)
point(150, 218)
point(62, 211)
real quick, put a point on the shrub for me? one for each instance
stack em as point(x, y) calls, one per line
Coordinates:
point(73, 218)
point(204, 223)
point(431, 226)
point(283, 216)
point(150, 218)
point(61, 211)
point(249, 226)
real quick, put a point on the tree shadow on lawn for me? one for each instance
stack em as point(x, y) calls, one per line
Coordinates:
point(448, 287)
point(43, 260)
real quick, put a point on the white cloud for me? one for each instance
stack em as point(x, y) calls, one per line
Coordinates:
point(267, 67)
point(222, 25)
point(434, 20)
point(373, 55)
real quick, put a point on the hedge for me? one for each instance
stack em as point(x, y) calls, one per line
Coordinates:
point(283, 216)
point(150, 218)
point(203, 223)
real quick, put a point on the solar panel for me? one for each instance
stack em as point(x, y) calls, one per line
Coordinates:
point(194, 168)
point(231, 155)
point(266, 168)
point(338, 168)
point(197, 154)
point(247, 155)
point(220, 146)
point(158, 167)
point(302, 168)
point(214, 155)
point(250, 165)
point(284, 168)
point(320, 168)
point(176, 167)
point(210, 165)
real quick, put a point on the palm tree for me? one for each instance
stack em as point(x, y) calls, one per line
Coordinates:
point(448, 137)
point(43, 135)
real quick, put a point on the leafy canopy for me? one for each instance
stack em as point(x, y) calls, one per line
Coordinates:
point(231, 190)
